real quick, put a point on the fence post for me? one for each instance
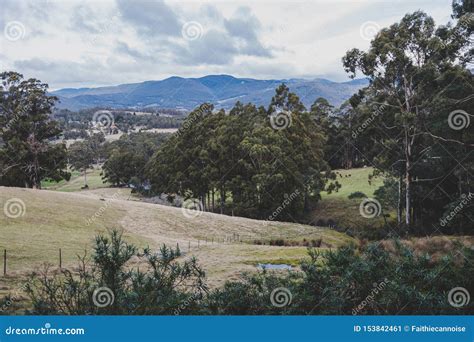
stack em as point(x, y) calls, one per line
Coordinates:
point(60, 259)
point(4, 262)
point(189, 246)
point(198, 244)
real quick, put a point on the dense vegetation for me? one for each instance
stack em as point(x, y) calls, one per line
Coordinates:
point(347, 281)
point(241, 155)
point(77, 124)
point(411, 123)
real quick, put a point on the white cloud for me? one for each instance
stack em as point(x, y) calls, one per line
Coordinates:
point(89, 43)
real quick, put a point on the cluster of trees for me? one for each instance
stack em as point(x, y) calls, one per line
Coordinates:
point(238, 162)
point(127, 158)
point(77, 124)
point(347, 281)
point(26, 130)
point(417, 113)
point(412, 123)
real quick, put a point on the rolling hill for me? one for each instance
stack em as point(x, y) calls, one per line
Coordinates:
point(221, 90)
point(46, 221)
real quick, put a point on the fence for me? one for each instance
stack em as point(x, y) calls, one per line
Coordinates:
point(191, 245)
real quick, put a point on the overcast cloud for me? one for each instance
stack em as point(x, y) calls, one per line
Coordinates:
point(73, 43)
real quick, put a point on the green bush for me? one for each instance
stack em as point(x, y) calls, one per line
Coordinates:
point(110, 286)
point(357, 194)
point(367, 280)
point(349, 281)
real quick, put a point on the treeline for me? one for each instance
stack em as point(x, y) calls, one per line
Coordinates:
point(412, 123)
point(349, 281)
point(249, 161)
point(77, 124)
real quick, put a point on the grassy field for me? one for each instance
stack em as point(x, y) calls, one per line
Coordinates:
point(94, 181)
point(353, 180)
point(337, 208)
point(224, 245)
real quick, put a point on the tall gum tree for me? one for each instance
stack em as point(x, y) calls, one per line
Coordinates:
point(403, 64)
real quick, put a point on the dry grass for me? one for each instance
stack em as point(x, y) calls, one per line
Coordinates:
point(54, 220)
point(435, 246)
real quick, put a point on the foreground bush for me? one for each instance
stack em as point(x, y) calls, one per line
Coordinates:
point(347, 281)
point(110, 286)
point(351, 282)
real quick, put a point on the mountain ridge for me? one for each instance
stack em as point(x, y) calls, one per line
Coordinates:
point(221, 90)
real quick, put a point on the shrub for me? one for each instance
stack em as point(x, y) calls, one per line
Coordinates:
point(350, 281)
point(158, 288)
point(369, 280)
point(357, 194)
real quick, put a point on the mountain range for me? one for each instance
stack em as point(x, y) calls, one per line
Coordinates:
point(186, 93)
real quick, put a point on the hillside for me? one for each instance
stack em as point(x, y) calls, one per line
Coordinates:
point(54, 220)
point(221, 90)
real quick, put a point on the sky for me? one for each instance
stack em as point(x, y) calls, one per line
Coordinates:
point(69, 43)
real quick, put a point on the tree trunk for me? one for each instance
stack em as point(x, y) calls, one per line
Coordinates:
point(85, 177)
point(213, 203)
point(400, 202)
point(408, 209)
point(222, 200)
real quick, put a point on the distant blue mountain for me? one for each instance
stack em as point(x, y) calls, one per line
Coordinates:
point(221, 90)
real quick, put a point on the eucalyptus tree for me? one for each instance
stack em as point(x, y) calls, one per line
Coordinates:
point(27, 153)
point(411, 65)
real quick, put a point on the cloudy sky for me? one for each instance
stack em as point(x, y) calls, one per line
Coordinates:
point(69, 43)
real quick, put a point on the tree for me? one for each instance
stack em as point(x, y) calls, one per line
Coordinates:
point(127, 157)
point(27, 155)
point(81, 158)
point(254, 165)
point(412, 65)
